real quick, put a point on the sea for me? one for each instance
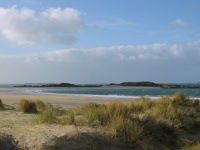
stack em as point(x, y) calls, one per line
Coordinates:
point(106, 91)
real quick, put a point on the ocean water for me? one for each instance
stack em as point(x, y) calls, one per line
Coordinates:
point(105, 91)
point(124, 91)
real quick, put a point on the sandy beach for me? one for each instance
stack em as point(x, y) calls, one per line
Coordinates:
point(62, 100)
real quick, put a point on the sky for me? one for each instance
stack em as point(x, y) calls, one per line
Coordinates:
point(92, 41)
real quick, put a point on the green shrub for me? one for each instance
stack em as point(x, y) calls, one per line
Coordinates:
point(40, 105)
point(1, 104)
point(27, 107)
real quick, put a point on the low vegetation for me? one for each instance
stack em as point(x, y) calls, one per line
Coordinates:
point(140, 124)
point(57, 115)
point(194, 147)
point(145, 123)
point(40, 105)
point(1, 104)
point(26, 106)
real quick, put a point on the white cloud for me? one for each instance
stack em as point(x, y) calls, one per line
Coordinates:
point(52, 26)
point(116, 53)
point(179, 22)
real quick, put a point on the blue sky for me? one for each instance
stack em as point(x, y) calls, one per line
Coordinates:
point(103, 41)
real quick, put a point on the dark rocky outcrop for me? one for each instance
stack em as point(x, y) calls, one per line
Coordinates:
point(171, 86)
point(143, 84)
point(58, 85)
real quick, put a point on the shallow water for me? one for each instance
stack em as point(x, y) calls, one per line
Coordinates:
point(104, 91)
point(124, 91)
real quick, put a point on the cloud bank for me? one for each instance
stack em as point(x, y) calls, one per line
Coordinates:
point(51, 26)
point(154, 62)
point(159, 51)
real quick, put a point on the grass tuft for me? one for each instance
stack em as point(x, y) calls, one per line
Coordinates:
point(141, 105)
point(47, 116)
point(40, 105)
point(1, 104)
point(67, 119)
point(95, 112)
point(118, 109)
point(27, 107)
point(127, 130)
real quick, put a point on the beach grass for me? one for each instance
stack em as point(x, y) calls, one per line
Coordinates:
point(140, 124)
point(47, 116)
point(40, 105)
point(26, 106)
point(67, 119)
point(1, 104)
point(146, 121)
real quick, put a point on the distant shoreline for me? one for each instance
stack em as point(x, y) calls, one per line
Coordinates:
point(123, 84)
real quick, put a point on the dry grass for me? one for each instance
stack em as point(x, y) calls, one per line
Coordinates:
point(129, 131)
point(26, 106)
point(144, 122)
point(140, 124)
point(67, 119)
point(40, 105)
point(47, 116)
point(194, 147)
point(141, 105)
point(1, 104)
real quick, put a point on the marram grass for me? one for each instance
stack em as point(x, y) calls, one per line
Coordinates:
point(26, 106)
point(1, 104)
point(140, 124)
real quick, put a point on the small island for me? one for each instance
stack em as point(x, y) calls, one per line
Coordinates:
point(58, 85)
